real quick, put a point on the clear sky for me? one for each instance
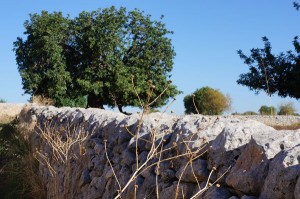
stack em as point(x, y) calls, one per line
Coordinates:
point(207, 35)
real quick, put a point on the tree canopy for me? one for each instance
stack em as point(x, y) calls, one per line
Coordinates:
point(206, 101)
point(274, 74)
point(287, 109)
point(96, 55)
point(267, 110)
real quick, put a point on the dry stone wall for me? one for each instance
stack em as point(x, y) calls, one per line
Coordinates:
point(276, 120)
point(9, 110)
point(102, 154)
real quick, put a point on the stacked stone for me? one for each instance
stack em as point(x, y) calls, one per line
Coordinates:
point(231, 157)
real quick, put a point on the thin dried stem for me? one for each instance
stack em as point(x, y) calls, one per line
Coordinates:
point(207, 183)
point(136, 93)
point(159, 95)
point(112, 168)
point(195, 103)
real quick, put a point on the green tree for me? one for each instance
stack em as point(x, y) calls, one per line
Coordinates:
point(249, 113)
point(206, 101)
point(287, 109)
point(2, 100)
point(40, 58)
point(267, 110)
point(117, 45)
point(274, 74)
point(96, 55)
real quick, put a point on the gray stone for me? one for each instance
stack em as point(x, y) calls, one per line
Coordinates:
point(215, 192)
point(233, 197)
point(168, 175)
point(248, 147)
point(283, 175)
point(85, 177)
point(250, 170)
point(297, 189)
point(179, 191)
point(96, 188)
point(258, 155)
point(248, 197)
point(196, 171)
point(128, 158)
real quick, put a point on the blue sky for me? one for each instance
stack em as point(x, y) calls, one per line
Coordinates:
point(207, 35)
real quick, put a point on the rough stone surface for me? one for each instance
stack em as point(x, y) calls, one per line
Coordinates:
point(217, 193)
point(8, 111)
point(177, 154)
point(194, 171)
point(247, 148)
point(248, 197)
point(283, 174)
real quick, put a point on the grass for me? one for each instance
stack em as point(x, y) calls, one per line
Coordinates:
point(4, 119)
point(17, 165)
point(287, 127)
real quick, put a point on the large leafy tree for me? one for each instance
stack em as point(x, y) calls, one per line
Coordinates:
point(99, 53)
point(44, 56)
point(274, 74)
point(116, 45)
point(40, 58)
point(206, 101)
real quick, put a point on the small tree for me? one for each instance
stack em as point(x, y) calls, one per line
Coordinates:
point(287, 109)
point(207, 101)
point(267, 110)
point(274, 74)
point(2, 100)
point(249, 113)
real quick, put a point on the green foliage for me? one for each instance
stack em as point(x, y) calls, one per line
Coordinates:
point(250, 113)
point(274, 74)
point(267, 110)
point(154, 111)
point(2, 100)
point(40, 58)
point(208, 101)
point(296, 5)
point(15, 172)
point(287, 109)
point(95, 55)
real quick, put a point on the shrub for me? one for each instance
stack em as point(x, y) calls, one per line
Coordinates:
point(287, 109)
point(267, 110)
point(250, 113)
point(2, 100)
point(18, 167)
point(207, 101)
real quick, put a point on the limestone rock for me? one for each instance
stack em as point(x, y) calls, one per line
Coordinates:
point(180, 191)
point(85, 177)
point(248, 147)
point(264, 162)
point(195, 172)
point(248, 197)
point(283, 175)
point(215, 192)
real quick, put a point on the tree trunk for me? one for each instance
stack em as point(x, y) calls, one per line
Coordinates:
point(120, 107)
point(94, 101)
